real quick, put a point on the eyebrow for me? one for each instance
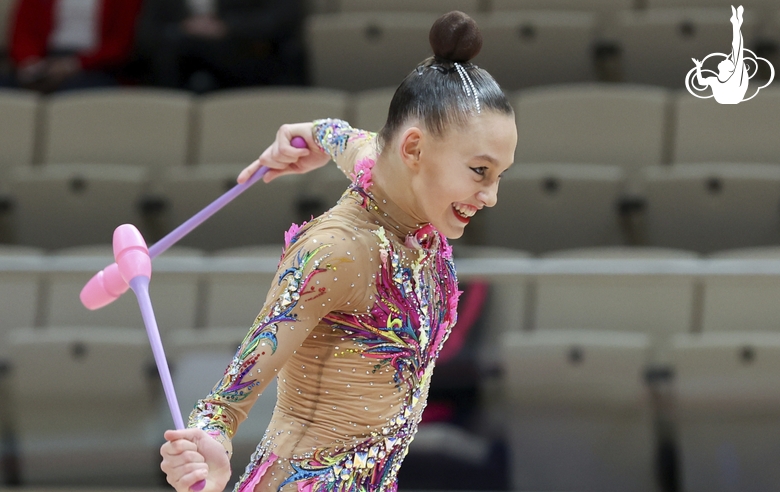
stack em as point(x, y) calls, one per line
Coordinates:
point(488, 158)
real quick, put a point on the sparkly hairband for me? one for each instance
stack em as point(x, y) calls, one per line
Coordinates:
point(468, 85)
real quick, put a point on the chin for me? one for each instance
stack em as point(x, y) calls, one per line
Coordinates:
point(451, 233)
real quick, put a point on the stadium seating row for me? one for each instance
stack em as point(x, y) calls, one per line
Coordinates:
point(363, 50)
point(657, 292)
point(624, 133)
point(542, 207)
point(626, 125)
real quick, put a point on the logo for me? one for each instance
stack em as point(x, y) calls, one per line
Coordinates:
point(730, 84)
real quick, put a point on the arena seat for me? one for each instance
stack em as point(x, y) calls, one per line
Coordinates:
point(727, 410)
point(237, 125)
point(544, 207)
point(578, 414)
point(656, 300)
point(82, 405)
point(436, 6)
point(18, 118)
point(711, 207)
point(173, 289)
point(623, 125)
point(20, 280)
point(258, 216)
point(738, 133)
point(744, 302)
point(369, 108)
point(62, 205)
point(236, 293)
point(141, 126)
point(359, 51)
point(507, 306)
point(657, 45)
point(522, 49)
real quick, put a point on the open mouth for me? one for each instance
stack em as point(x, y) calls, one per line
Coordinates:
point(463, 212)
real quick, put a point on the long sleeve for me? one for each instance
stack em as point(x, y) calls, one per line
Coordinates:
point(305, 290)
point(117, 33)
point(344, 144)
point(30, 29)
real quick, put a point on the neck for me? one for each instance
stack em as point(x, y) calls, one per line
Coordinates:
point(394, 179)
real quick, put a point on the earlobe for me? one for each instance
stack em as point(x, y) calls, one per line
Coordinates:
point(410, 147)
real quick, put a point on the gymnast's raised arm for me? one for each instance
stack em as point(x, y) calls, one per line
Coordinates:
point(325, 140)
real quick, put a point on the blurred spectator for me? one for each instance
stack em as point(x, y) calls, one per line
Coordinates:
point(70, 44)
point(203, 45)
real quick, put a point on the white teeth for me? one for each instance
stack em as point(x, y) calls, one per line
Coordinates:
point(466, 212)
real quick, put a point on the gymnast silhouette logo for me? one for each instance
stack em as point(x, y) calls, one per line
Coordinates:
point(735, 70)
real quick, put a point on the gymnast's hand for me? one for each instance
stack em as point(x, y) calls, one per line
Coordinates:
point(282, 158)
point(191, 455)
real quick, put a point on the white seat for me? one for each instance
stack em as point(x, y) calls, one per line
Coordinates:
point(148, 127)
point(61, 205)
point(544, 207)
point(657, 44)
point(506, 308)
point(237, 125)
point(18, 118)
point(707, 132)
point(611, 5)
point(358, 51)
point(745, 302)
point(650, 291)
point(236, 291)
point(727, 410)
point(592, 123)
point(20, 279)
point(522, 49)
point(174, 290)
point(711, 207)
point(82, 406)
point(260, 215)
point(436, 6)
point(578, 413)
point(370, 108)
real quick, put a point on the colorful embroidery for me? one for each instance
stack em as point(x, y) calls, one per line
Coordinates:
point(235, 386)
point(333, 135)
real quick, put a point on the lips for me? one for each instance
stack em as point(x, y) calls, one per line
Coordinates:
point(463, 212)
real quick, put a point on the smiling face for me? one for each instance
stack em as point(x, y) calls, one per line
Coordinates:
point(458, 174)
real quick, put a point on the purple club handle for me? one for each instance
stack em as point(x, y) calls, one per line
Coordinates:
point(177, 234)
point(95, 294)
point(140, 286)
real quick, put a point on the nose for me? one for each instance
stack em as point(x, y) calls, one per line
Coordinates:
point(489, 195)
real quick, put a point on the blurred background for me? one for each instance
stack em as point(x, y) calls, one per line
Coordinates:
point(620, 325)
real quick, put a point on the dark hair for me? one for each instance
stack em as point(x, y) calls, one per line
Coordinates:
point(434, 92)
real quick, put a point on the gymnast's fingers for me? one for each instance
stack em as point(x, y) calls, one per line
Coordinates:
point(248, 172)
point(185, 476)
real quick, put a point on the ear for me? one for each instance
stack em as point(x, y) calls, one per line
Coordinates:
point(410, 147)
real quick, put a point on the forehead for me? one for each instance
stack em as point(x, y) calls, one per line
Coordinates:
point(487, 134)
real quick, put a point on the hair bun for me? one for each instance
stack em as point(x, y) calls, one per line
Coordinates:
point(455, 37)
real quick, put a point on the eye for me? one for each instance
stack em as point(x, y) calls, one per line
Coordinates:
point(479, 170)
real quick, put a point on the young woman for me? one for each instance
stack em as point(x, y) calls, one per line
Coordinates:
point(366, 294)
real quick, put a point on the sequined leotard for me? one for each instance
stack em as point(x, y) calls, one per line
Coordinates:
point(364, 299)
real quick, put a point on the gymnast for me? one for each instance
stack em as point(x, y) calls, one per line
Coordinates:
point(365, 294)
